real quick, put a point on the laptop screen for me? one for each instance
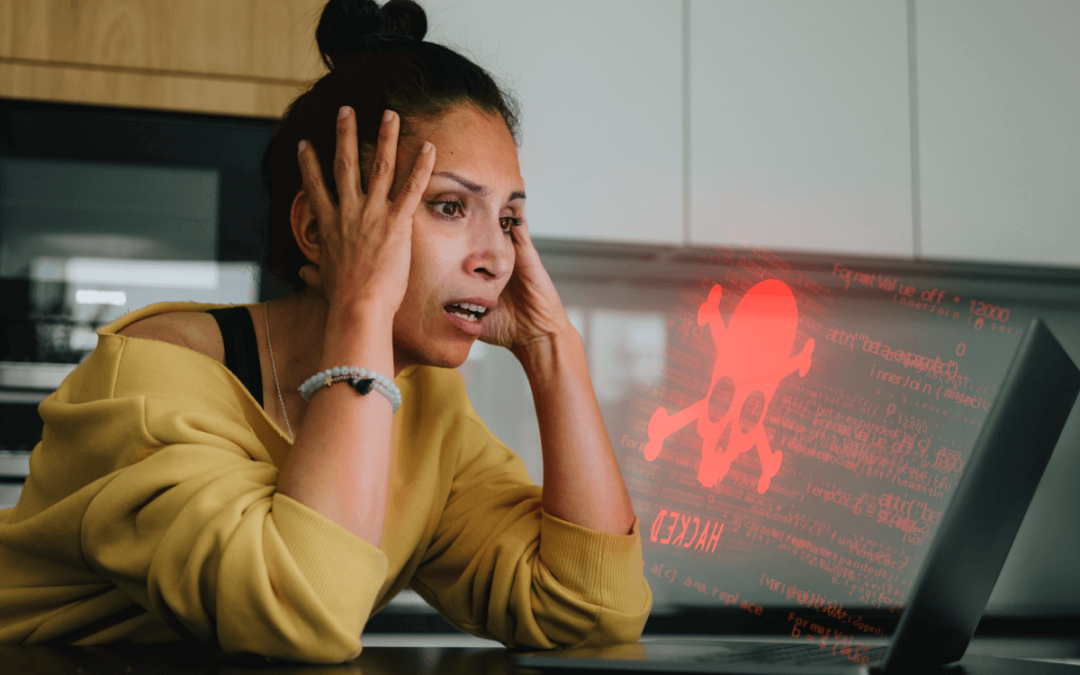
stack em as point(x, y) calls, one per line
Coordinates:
point(803, 430)
point(864, 471)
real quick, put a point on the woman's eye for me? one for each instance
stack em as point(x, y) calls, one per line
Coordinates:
point(449, 209)
point(509, 223)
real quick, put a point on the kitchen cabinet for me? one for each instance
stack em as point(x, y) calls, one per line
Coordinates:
point(600, 88)
point(240, 57)
point(999, 130)
point(799, 125)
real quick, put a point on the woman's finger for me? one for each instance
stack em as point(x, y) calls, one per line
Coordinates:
point(409, 198)
point(346, 160)
point(382, 171)
point(314, 187)
point(523, 244)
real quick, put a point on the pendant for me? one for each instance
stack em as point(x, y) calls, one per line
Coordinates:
point(363, 386)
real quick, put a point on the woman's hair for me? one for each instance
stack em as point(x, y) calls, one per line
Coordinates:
point(378, 60)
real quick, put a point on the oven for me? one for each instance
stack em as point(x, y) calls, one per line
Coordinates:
point(106, 210)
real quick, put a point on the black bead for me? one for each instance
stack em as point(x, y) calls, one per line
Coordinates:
point(363, 386)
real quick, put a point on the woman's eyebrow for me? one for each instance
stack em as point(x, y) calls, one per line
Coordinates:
point(474, 188)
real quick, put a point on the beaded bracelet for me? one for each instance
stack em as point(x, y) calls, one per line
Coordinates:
point(361, 379)
point(364, 386)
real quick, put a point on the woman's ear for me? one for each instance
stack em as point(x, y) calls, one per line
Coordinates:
point(305, 228)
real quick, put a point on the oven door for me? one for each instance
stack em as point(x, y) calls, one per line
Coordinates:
point(104, 211)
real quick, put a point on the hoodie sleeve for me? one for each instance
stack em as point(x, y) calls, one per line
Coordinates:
point(190, 526)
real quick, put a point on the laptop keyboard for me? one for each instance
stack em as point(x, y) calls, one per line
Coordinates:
point(797, 653)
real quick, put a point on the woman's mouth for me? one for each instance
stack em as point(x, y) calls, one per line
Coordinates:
point(467, 310)
point(466, 316)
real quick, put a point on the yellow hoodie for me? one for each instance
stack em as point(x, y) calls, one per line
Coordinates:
point(150, 515)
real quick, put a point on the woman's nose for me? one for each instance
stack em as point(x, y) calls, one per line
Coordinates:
point(491, 251)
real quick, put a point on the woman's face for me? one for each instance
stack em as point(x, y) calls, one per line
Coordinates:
point(462, 250)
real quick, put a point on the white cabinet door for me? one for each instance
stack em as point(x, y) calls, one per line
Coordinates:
point(600, 85)
point(800, 126)
point(999, 130)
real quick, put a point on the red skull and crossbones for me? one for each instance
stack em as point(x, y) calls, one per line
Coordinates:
point(752, 356)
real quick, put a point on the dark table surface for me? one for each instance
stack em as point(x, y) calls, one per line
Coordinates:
point(434, 654)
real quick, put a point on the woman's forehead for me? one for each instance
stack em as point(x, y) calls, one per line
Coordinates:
point(474, 147)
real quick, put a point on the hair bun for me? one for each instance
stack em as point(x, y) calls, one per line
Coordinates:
point(405, 17)
point(349, 25)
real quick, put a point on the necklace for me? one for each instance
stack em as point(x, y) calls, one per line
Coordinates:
point(266, 316)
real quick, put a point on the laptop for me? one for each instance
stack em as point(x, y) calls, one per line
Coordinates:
point(962, 564)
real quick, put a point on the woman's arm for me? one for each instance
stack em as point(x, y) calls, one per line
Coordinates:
point(499, 565)
point(582, 481)
point(339, 464)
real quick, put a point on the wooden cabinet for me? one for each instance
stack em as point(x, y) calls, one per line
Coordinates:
point(799, 125)
point(800, 133)
point(600, 84)
point(600, 87)
point(999, 130)
point(237, 57)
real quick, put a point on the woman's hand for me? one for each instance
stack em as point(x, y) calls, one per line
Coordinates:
point(582, 481)
point(365, 242)
point(530, 311)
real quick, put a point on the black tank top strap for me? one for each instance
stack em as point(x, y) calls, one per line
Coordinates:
point(241, 348)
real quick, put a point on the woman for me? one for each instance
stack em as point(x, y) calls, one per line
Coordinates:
point(272, 507)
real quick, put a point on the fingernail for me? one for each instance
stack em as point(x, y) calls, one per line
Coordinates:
point(427, 146)
point(303, 146)
point(388, 115)
point(344, 112)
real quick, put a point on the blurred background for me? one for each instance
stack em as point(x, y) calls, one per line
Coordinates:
point(934, 143)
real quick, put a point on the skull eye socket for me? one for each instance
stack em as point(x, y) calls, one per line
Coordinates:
point(720, 398)
point(751, 412)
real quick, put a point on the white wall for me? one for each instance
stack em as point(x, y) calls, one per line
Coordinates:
point(799, 125)
point(599, 85)
point(999, 130)
point(944, 129)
